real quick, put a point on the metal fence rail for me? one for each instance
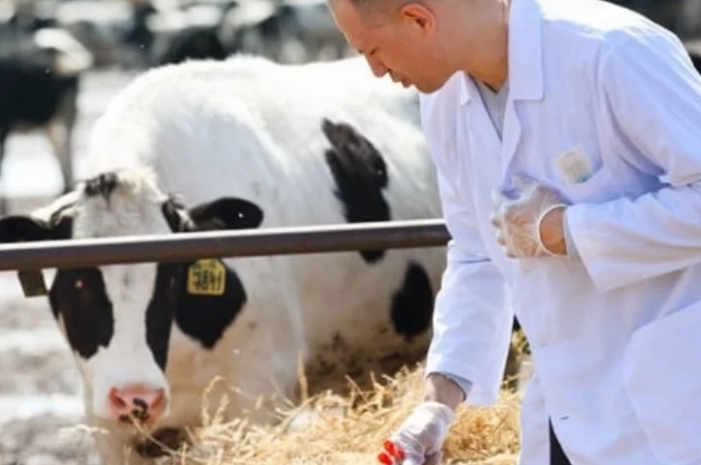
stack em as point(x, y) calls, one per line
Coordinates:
point(192, 246)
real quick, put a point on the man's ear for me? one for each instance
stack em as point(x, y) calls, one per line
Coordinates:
point(226, 213)
point(420, 16)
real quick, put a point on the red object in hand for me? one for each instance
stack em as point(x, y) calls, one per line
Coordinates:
point(384, 459)
point(391, 454)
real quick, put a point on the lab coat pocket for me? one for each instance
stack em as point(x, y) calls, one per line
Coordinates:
point(596, 188)
point(662, 377)
point(581, 178)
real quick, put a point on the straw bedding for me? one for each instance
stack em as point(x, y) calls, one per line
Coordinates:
point(349, 428)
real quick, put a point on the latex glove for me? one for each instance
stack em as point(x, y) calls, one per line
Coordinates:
point(517, 217)
point(419, 439)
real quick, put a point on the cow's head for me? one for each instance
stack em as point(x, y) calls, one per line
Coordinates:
point(117, 319)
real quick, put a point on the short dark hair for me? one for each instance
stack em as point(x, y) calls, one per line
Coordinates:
point(375, 6)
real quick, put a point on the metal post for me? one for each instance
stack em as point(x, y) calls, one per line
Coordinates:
point(219, 244)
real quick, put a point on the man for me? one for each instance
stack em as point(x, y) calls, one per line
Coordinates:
point(567, 141)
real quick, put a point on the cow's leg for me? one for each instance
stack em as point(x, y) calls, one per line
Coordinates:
point(60, 134)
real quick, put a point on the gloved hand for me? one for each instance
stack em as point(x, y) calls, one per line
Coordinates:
point(517, 218)
point(419, 439)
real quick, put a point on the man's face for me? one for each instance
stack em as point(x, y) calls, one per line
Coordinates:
point(401, 43)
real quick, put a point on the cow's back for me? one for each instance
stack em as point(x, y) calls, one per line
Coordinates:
point(277, 135)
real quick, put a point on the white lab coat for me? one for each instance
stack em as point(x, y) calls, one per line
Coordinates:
point(616, 338)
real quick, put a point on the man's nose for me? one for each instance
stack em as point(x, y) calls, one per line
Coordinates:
point(378, 69)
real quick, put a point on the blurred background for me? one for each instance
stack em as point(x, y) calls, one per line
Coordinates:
point(61, 62)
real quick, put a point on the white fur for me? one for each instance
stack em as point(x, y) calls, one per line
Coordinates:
point(252, 129)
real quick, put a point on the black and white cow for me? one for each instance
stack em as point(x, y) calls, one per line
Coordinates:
point(244, 143)
point(39, 87)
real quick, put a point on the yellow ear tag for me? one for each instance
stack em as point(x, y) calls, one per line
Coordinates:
point(206, 277)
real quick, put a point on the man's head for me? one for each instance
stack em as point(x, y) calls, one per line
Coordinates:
point(424, 42)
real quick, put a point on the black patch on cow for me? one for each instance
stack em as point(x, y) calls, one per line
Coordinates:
point(360, 174)
point(78, 296)
point(412, 305)
point(221, 214)
point(161, 310)
point(200, 316)
point(23, 228)
point(227, 213)
point(102, 185)
point(206, 317)
point(20, 228)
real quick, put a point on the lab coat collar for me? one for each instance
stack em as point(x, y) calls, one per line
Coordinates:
point(525, 54)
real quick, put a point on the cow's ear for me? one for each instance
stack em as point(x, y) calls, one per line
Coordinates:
point(34, 227)
point(24, 228)
point(176, 216)
point(21, 228)
point(226, 213)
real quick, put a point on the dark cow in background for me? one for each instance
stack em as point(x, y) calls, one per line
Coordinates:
point(693, 48)
point(240, 144)
point(39, 86)
point(188, 32)
point(137, 34)
point(194, 43)
point(286, 31)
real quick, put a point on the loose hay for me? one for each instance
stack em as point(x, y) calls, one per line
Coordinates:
point(339, 430)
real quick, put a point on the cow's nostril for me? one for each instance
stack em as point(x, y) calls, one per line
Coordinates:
point(140, 403)
point(116, 401)
point(136, 403)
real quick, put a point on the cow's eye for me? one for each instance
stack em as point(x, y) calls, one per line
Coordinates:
point(79, 284)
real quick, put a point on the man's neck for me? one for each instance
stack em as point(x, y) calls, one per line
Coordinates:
point(491, 65)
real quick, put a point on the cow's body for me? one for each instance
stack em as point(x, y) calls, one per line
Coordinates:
point(323, 143)
point(271, 118)
point(255, 130)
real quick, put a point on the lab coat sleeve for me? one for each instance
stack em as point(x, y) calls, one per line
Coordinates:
point(471, 323)
point(652, 99)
